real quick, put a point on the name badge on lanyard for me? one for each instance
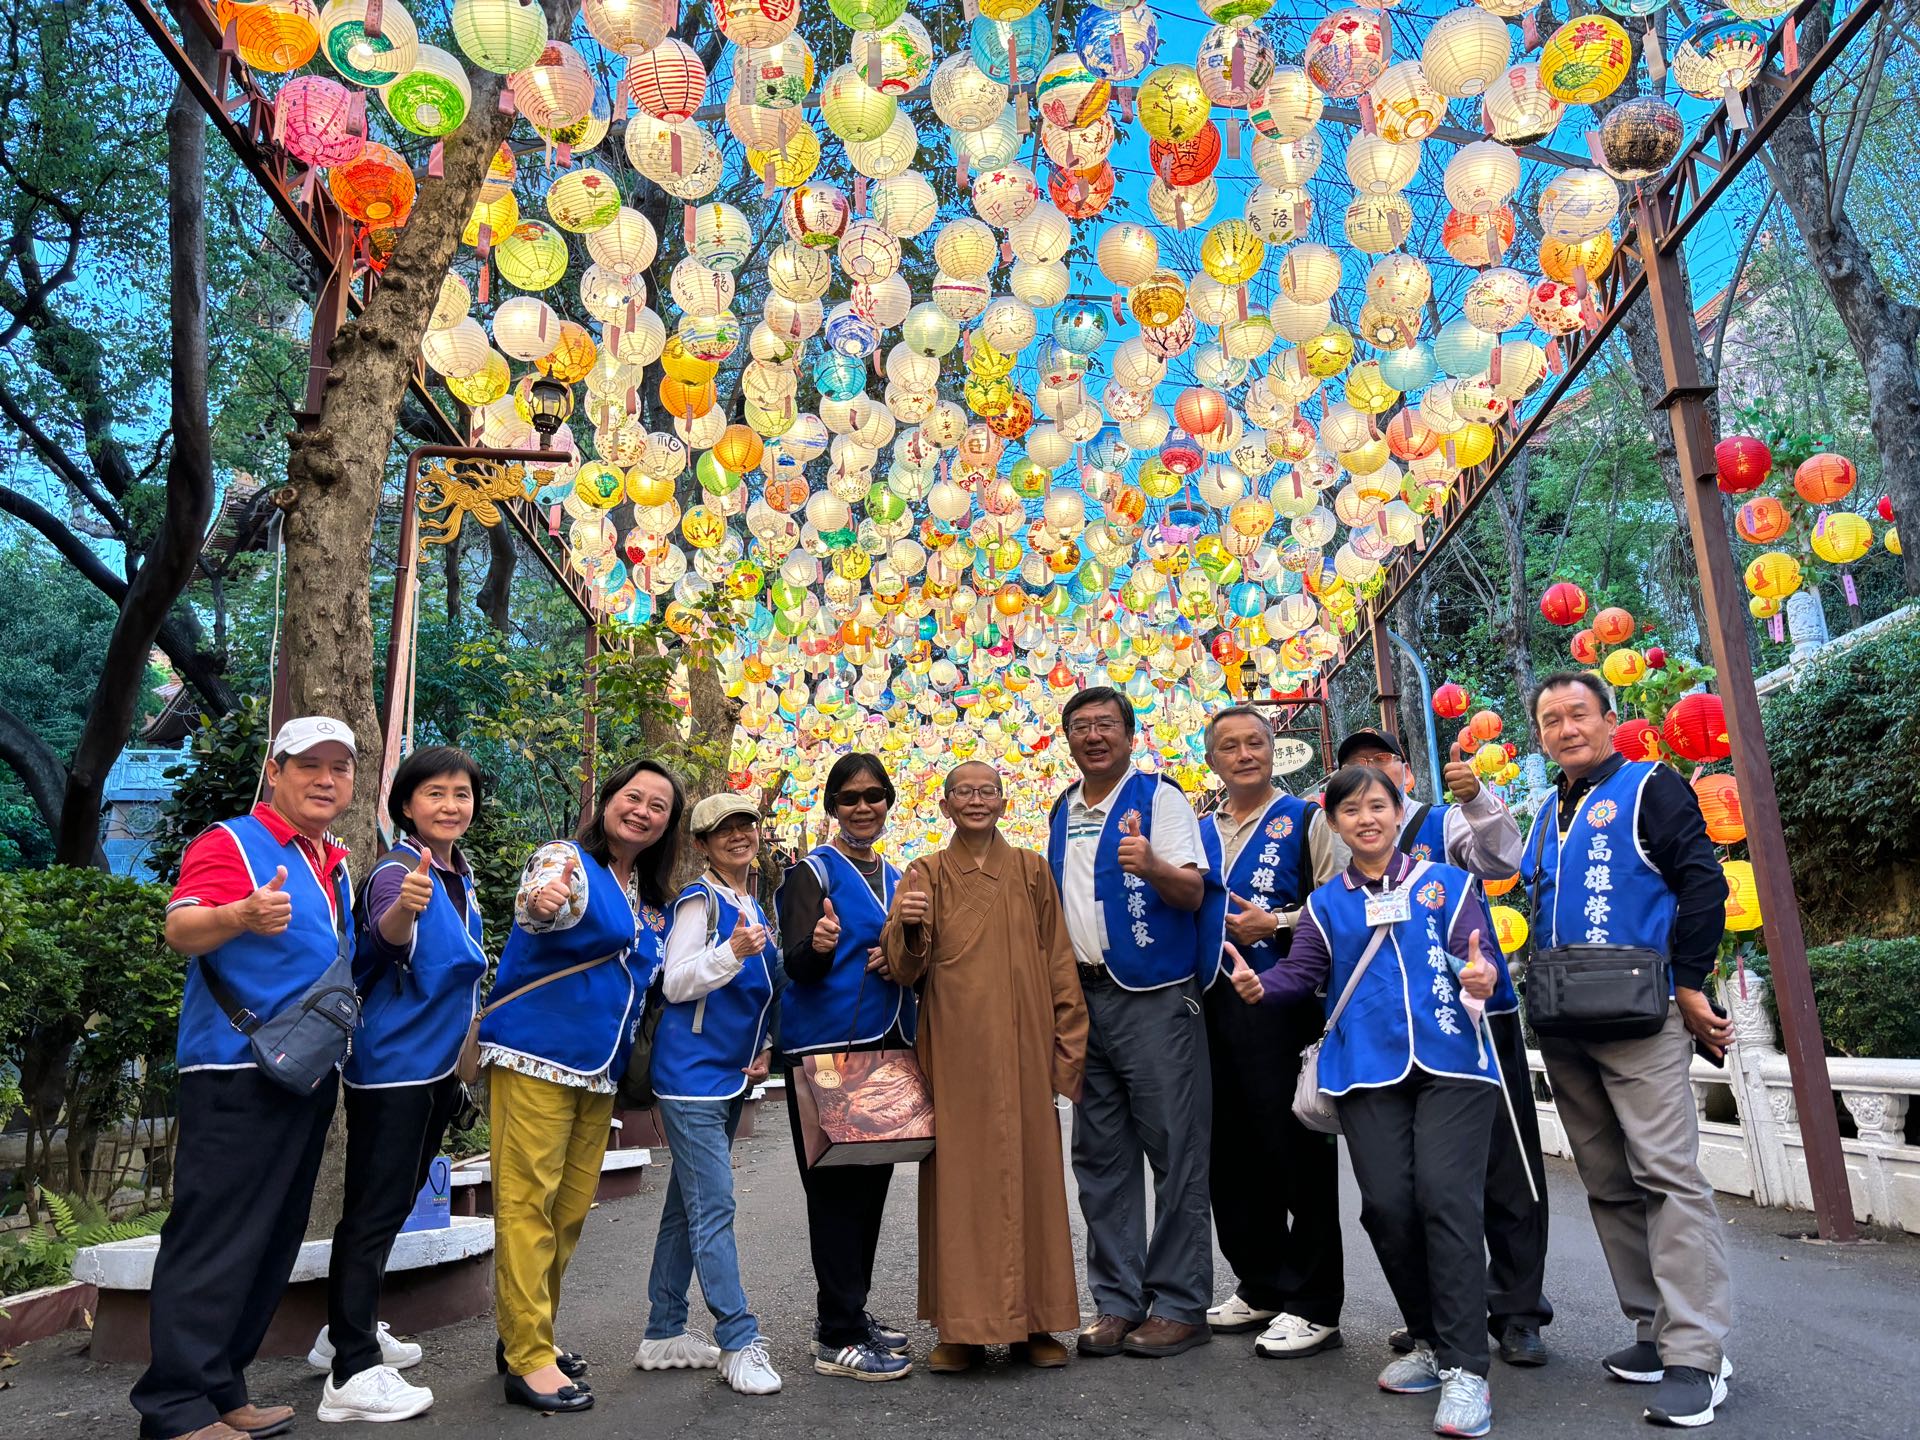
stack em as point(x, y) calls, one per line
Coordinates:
point(1388, 907)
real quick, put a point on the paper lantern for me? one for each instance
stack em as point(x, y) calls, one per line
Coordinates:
point(1719, 799)
point(1638, 739)
point(1613, 626)
point(1565, 603)
point(431, 99)
point(853, 109)
point(1742, 463)
point(867, 15)
point(1774, 575)
point(359, 58)
point(964, 96)
point(1696, 728)
point(1480, 177)
point(1518, 109)
point(1761, 520)
point(1378, 166)
point(1579, 203)
point(1824, 478)
point(1347, 51)
point(532, 257)
point(1718, 54)
point(1290, 163)
point(1623, 667)
point(456, 351)
point(1004, 194)
point(1015, 49)
point(1485, 726)
point(1234, 62)
point(1187, 162)
point(319, 121)
point(1171, 103)
point(1478, 240)
point(499, 35)
point(1562, 260)
point(1464, 52)
point(1451, 700)
point(1127, 254)
point(376, 187)
point(275, 36)
point(905, 204)
point(555, 90)
point(1287, 107)
point(1586, 59)
point(1841, 537)
point(1640, 137)
point(1743, 895)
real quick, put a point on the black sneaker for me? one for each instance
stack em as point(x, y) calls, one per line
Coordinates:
point(885, 1337)
point(1686, 1398)
point(1401, 1340)
point(1638, 1364)
point(1522, 1345)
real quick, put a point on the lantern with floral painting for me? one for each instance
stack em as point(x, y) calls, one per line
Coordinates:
point(1557, 309)
point(1172, 104)
point(1478, 240)
point(1825, 478)
point(1347, 51)
point(1586, 59)
point(1696, 728)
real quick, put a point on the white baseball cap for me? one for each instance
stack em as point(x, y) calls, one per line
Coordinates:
point(308, 731)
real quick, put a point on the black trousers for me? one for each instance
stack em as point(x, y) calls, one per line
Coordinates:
point(245, 1158)
point(845, 1205)
point(1516, 1222)
point(1419, 1150)
point(393, 1133)
point(1275, 1183)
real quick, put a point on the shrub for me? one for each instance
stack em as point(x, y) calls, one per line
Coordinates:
point(43, 1255)
point(218, 781)
point(1868, 992)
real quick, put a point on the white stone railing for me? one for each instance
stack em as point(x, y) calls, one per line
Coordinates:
point(1749, 1135)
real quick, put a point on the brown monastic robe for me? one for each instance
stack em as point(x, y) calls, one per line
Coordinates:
point(1003, 1028)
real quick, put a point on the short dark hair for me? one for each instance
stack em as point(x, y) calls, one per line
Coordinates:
point(851, 766)
point(1351, 780)
point(424, 765)
point(1235, 712)
point(1098, 695)
point(653, 870)
point(1560, 680)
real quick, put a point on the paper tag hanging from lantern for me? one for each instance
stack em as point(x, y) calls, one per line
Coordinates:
point(686, 226)
point(1656, 53)
point(1119, 315)
point(1847, 589)
point(1529, 33)
point(1126, 104)
point(860, 195)
point(563, 154)
point(1789, 46)
point(1736, 111)
point(960, 174)
point(485, 244)
point(553, 520)
point(506, 99)
point(437, 161)
point(674, 160)
point(1240, 300)
point(1595, 149)
point(970, 9)
point(1233, 138)
point(1369, 122)
point(1776, 628)
point(374, 18)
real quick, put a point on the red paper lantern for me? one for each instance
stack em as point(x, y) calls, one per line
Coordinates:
point(1082, 194)
point(1696, 728)
point(1585, 646)
point(1613, 626)
point(1450, 701)
point(1565, 603)
point(1638, 740)
point(1743, 462)
point(1823, 479)
point(1656, 658)
point(1186, 162)
point(1885, 508)
point(1720, 806)
point(1199, 410)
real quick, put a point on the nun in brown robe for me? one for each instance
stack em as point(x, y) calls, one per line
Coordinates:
point(1003, 1029)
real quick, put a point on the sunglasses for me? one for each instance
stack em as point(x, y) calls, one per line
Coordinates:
point(849, 799)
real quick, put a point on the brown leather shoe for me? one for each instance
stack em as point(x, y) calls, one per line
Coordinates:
point(219, 1430)
point(1043, 1352)
point(260, 1421)
point(952, 1358)
point(1160, 1337)
point(1105, 1335)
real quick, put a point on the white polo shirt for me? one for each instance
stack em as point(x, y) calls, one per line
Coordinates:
point(1175, 839)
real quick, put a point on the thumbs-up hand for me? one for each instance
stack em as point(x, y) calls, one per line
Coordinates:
point(1478, 976)
point(1248, 923)
point(748, 938)
point(910, 902)
point(1136, 855)
point(1245, 983)
point(267, 911)
point(416, 891)
point(553, 897)
point(1458, 772)
point(826, 930)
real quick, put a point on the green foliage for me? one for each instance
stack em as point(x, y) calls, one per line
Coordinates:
point(218, 781)
point(1868, 992)
point(1845, 747)
point(43, 1254)
point(474, 1141)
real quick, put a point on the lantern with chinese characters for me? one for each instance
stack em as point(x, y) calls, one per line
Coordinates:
point(1742, 462)
point(1743, 895)
point(1774, 575)
point(1841, 537)
point(1824, 478)
point(1640, 137)
point(1762, 520)
point(1451, 700)
point(1638, 739)
point(1347, 51)
point(1586, 59)
point(1565, 603)
point(1696, 728)
point(1720, 806)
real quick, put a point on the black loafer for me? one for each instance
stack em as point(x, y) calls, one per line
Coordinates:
point(566, 1399)
point(571, 1365)
point(1401, 1340)
point(1522, 1345)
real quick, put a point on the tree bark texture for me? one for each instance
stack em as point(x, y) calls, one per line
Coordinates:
point(495, 597)
point(1882, 327)
point(169, 561)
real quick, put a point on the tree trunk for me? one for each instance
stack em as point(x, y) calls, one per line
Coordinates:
point(496, 591)
point(40, 770)
point(1883, 328)
point(168, 564)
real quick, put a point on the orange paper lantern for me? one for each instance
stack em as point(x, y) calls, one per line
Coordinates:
point(1613, 626)
point(1823, 479)
point(1720, 806)
point(1762, 520)
point(1585, 646)
point(1484, 726)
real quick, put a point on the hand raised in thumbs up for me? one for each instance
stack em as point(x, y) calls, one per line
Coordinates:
point(553, 897)
point(748, 938)
point(1245, 983)
point(267, 911)
point(1461, 782)
point(911, 901)
point(1248, 923)
point(1136, 855)
point(1478, 976)
point(416, 890)
point(826, 930)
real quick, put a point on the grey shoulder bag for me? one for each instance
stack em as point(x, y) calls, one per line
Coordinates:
point(306, 1042)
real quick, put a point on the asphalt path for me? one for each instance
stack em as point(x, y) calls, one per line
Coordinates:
point(1824, 1346)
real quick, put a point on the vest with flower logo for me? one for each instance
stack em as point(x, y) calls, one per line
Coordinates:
point(1429, 842)
point(1407, 1010)
point(850, 1005)
point(1597, 886)
point(1270, 868)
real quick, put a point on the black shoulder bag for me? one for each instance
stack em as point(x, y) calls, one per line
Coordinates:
point(1591, 992)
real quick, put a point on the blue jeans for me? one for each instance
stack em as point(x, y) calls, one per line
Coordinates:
point(696, 1226)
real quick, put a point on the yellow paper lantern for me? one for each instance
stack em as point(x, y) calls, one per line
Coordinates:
point(1773, 576)
point(1586, 59)
point(1624, 667)
point(1743, 895)
point(1841, 537)
point(1172, 104)
point(1510, 926)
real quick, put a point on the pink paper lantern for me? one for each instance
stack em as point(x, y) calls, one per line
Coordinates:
point(322, 122)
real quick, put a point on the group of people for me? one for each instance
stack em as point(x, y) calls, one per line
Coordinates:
point(1158, 971)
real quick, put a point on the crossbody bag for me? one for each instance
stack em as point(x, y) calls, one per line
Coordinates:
point(467, 1067)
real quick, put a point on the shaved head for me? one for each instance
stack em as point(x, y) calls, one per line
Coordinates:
point(954, 775)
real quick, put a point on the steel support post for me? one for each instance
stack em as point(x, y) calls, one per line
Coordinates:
point(1386, 687)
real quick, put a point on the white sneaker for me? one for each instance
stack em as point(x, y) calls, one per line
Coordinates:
point(378, 1394)
point(749, 1370)
point(394, 1352)
point(1233, 1315)
point(1290, 1337)
point(685, 1351)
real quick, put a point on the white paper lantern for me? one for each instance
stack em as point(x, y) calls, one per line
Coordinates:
point(1310, 273)
point(1495, 300)
point(1578, 204)
point(1041, 236)
point(891, 154)
point(1041, 286)
point(964, 249)
point(929, 331)
point(1008, 325)
point(1135, 367)
point(1287, 162)
point(1518, 109)
point(799, 272)
point(1377, 166)
point(964, 96)
point(1406, 107)
point(1399, 284)
point(904, 203)
point(1287, 107)
point(460, 350)
point(868, 252)
point(1465, 51)
point(525, 327)
point(1127, 254)
point(1481, 176)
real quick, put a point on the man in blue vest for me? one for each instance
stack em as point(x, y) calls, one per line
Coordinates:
point(1276, 1184)
point(263, 904)
point(1624, 859)
point(1126, 852)
point(1476, 833)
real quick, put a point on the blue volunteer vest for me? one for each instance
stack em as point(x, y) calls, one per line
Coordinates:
point(703, 1047)
point(1269, 869)
point(584, 1023)
point(1429, 842)
point(413, 1022)
point(1407, 1010)
point(849, 1006)
point(1597, 887)
point(265, 973)
point(1149, 943)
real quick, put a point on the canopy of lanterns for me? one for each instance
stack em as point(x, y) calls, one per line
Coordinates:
point(1097, 342)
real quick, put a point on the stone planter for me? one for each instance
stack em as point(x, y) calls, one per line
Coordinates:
point(36, 1314)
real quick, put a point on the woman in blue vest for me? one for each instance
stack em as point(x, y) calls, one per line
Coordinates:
point(1415, 1079)
point(594, 906)
point(713, 1046)
point(418, 969)
point(833, 905)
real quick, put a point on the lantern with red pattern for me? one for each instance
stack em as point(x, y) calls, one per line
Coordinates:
point(1743, 462)
point(1696, 728)
point(1450, 701)
point(1638, 740)
point(1613, 626)
point(1565, 603)
point(1720, 805)
point(1823, 479)
point(1585, 646)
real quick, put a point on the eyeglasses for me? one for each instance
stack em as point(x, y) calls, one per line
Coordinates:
point(849, 799)
point(974, 792)
point(1081, 728)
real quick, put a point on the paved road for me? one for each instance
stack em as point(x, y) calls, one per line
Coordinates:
point(1825, 1347)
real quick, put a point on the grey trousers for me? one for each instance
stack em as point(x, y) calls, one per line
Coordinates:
point(1148, 1096)
point(1628, 1109)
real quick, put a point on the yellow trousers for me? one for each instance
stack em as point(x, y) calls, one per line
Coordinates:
point(548, 1142)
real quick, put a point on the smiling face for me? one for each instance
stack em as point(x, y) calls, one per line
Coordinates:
point(638, 813)
point(731, 845)
point(313, 787)
point(1369, 821)
point(441, 808)
point(860, 805)
point(974, 800)
point(1576, 727)
point(1387, 763)
point(1240, 750)
point(1098, 740)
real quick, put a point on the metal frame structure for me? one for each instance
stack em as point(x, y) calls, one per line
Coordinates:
point(1648, 264)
